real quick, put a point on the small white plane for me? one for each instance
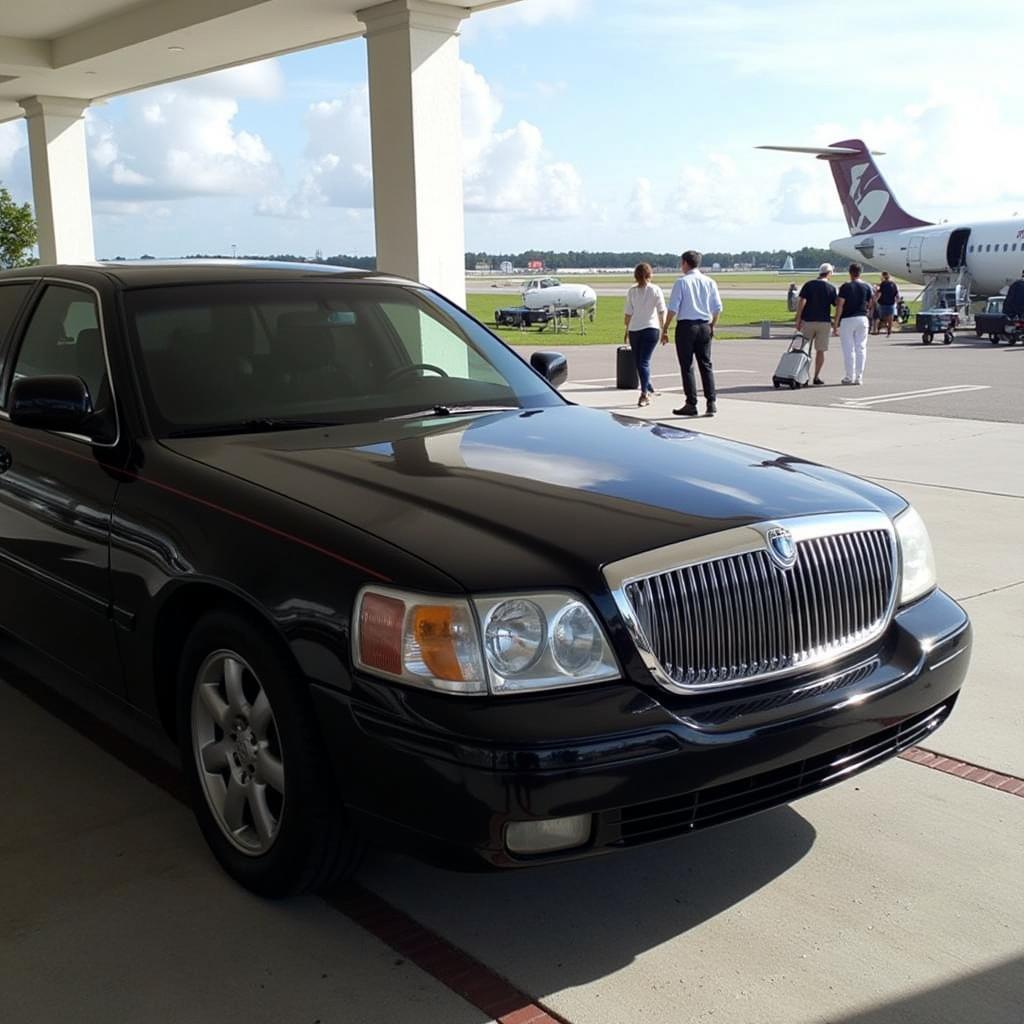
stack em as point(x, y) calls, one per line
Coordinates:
point(982, 257)
point(542, 292)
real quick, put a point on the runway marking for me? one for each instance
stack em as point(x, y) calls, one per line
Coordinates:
point(908, 396)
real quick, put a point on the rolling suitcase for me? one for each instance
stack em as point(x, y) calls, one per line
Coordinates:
point(626, 377)
point(794, 369)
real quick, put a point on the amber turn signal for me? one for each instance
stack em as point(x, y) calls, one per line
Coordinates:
point(436, 634)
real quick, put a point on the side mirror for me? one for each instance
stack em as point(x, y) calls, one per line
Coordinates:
point(51, 403)
point(552, 366)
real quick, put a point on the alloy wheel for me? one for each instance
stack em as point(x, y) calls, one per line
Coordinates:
point(238, 752)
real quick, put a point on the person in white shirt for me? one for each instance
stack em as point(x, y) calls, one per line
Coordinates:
point(644, 320)
point(697, 304)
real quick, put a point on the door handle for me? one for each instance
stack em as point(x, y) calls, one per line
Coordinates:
point(5, 460)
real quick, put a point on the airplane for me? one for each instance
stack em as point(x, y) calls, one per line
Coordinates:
point(982, 257)
point(542, 292)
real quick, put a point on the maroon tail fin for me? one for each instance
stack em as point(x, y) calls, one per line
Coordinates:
point(867, 200)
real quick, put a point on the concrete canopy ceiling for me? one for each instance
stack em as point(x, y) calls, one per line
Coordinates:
point(92, 49)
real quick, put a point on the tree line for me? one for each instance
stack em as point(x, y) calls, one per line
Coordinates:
point(806, 257)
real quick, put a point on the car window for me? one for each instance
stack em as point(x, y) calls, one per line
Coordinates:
point(11, 298)
point(63, 338)
point(217, 356)
point(430, 342)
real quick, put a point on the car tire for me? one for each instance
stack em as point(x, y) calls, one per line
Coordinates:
point(926, 338)
point(254, 763)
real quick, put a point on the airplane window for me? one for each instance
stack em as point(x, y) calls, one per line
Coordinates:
point(1006, 247)
point(988, 248)
point(970, 248)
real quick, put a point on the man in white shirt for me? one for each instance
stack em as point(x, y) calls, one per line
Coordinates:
point(696, 304)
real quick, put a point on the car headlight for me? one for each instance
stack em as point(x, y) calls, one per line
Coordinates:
point(505, 644)
point(916, 556)
point(566, 643)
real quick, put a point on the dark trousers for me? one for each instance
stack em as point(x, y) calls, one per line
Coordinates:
point(693, 341)
point(643, 343)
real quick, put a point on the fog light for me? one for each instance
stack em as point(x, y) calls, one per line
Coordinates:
point(547, 836)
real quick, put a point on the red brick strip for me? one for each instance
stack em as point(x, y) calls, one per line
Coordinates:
point(479, 985)
point(965, 770)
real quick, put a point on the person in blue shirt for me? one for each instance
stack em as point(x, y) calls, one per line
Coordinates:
point(696, 304)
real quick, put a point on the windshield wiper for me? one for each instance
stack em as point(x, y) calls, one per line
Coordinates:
point(445, 409)
point(260, 425)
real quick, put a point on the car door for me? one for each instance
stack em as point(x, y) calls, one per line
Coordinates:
point(57, 493)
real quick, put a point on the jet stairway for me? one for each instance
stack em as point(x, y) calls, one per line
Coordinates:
point(951, 290)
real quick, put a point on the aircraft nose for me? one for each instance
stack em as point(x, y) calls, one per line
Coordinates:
point(589, 296)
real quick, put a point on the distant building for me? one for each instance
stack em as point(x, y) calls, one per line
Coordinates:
point(535, 265)
point(506, 267)
point(483, 264)
point(788, 265)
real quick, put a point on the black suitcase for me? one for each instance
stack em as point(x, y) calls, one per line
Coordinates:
point(626, 377)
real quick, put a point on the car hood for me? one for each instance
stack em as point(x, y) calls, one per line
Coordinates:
point(517, 498)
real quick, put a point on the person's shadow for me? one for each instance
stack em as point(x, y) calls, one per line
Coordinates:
point(569, 924)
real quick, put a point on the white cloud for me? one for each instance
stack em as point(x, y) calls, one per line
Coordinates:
point(527, 12)
point(181, 140)
point(505, 170)
point(12, 141)
point(640, 209)
point(715, 190)
point(14, 166)
point(804, 197)
point(510, 170)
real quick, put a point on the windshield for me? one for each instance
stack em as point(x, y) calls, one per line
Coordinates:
point(219, 357)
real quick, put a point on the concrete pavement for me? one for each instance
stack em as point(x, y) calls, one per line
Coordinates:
point(112, 912)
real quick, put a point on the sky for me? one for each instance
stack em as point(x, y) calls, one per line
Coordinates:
point(587, 124)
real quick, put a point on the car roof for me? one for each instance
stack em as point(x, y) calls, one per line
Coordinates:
point(154, 273)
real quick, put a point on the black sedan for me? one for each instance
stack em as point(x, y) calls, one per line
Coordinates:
point(380, 581)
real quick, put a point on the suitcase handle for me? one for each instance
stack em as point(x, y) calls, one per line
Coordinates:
point(804, 343)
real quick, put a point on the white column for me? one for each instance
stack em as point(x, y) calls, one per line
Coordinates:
point(60, 178)
point(416, 132)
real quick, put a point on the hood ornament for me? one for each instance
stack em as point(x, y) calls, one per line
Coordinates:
point(781, 547)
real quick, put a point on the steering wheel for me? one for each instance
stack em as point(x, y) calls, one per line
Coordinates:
point(404, 371)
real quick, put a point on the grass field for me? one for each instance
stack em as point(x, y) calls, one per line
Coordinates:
point(607, 327)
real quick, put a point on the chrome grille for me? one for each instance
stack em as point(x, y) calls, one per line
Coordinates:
point(741, 616)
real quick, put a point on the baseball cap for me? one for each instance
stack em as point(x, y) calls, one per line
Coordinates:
point(826, 268)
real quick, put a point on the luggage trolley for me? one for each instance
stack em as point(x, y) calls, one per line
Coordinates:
point(937, 321)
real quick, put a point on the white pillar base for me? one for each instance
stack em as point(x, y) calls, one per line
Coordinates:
point(416, 133)
point(60, 178)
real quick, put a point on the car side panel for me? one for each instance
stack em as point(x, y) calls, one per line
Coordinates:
point(180, 524)
point(56, 495)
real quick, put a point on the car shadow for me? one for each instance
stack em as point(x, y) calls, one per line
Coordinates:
point(994, 995)
point(572, 923)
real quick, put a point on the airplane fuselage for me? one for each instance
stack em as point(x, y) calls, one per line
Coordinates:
point(540, 293)
point(991, 251)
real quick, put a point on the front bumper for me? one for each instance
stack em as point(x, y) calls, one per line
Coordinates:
point(441, 776)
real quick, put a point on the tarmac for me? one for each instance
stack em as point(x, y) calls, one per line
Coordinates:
point(894, 898)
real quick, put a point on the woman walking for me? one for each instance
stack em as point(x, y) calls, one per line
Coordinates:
point(644, 319)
